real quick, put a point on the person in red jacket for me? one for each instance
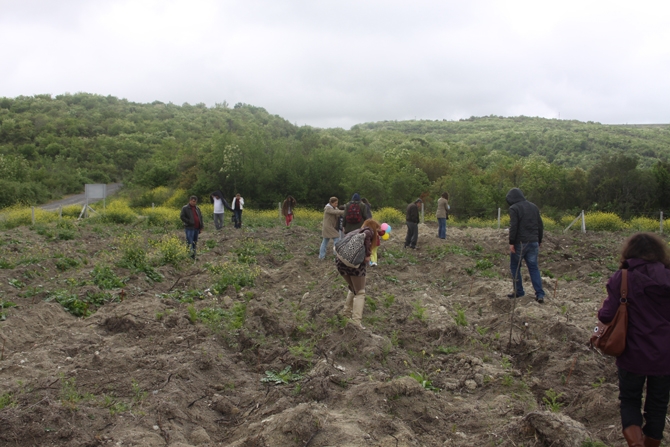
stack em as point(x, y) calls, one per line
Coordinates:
point(192, 220)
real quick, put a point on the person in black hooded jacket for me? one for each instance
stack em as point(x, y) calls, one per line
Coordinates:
point(525, 236)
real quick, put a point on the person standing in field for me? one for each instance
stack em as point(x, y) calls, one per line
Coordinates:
point(442, 215)
point(355, 213)
point(412, 220)
point(375, 246)
point(525, 237)
point(191, 217)
point(238, 206)
point(287, 209)
point(220, 205)
point(355, 276)
point(645, 358)
point(331, 216)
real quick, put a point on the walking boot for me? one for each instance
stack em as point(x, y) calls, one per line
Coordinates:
point(651, 442)
point(359, 303)
point(634, 436)
point(348, 305)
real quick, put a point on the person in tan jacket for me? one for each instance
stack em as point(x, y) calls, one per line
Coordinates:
point(331, 215)
point(442, 215)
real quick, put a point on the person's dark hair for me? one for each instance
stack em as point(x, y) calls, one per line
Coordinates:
point(333, 200)
point(193, 197)
point(445, 195)
point(647, 246)
point(364, 200)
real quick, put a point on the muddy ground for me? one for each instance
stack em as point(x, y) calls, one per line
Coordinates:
point(447, 359)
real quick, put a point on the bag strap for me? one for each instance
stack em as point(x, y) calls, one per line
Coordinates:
point(624, 286)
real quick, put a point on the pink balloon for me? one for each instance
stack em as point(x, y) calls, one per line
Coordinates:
point(384, 226)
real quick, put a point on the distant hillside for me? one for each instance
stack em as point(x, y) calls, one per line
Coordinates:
point(567, 143)
point(52, 145)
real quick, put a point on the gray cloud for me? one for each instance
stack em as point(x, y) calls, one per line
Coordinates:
point(341, 63)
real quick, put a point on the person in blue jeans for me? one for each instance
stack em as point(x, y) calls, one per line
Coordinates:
point(191, 217)
point(331, 215)
point(442, 214)
point(525, 237)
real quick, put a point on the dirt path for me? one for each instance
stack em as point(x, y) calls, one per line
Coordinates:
point(78, 199)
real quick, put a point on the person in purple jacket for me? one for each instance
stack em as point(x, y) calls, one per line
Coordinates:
point(646, 357)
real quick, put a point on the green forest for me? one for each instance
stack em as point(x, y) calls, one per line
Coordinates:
point(52, 145)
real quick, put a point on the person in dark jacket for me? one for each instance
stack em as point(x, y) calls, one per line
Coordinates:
point(645, 358)
point(355, 213)
point(412, 221)
point(525, 236)
point(192, 219)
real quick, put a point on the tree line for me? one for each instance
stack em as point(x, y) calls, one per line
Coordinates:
point(52, 145)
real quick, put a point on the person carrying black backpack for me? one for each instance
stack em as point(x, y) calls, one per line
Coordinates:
point(355, 213)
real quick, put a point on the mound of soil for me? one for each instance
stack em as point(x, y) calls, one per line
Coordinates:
point(447, 358)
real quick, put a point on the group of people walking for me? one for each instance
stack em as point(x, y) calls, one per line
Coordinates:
point(645, 257)
point(191, 216)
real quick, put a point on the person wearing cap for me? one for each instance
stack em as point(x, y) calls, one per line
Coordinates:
point(355, 213)
point(412, 221)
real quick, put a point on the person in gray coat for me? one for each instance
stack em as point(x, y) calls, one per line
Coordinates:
point(331, 215)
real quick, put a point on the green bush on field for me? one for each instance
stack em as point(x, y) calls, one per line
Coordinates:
point(172, 250)
point(20, 215)
point(599, 221)
point(178, 199)
point(389, 215)
point(567, 220)
point(156, 196)
point(644, 224)
point(233, 274)
point(161, 216)
point(71, 211)
point(118, 211)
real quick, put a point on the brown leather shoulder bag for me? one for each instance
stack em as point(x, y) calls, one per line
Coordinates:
point(610, 339)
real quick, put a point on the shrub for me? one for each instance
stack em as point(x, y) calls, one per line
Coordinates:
point(219, 319)
point(20, 215)
point(172, 250)
point(71, 211)
point(644, 224)
point(178, 199)
point(260, 218)
point(133, 256)
point(118, 212)
point(308, 214)
point(567, 220)
point(233, 274)
point(161, 216)
point(599, 221)
point(105, 278)
point(389, 215)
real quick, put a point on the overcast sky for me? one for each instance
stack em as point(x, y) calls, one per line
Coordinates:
point(339, 63)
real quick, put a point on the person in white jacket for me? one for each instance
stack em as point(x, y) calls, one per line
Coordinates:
point(238, 206)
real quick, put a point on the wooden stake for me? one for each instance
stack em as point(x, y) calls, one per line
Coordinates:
point(555, 288)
